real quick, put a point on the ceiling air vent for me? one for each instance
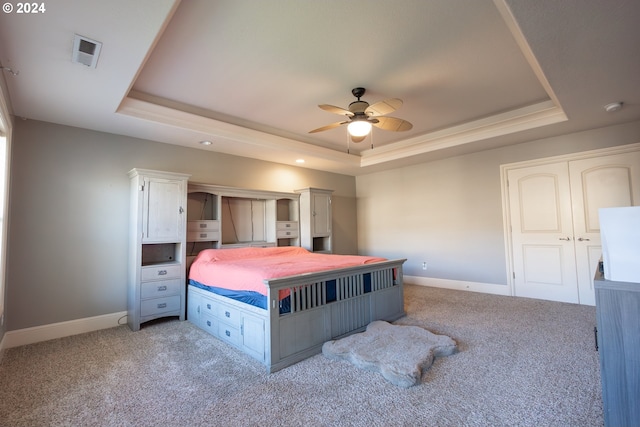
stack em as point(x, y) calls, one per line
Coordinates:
point(86, 51)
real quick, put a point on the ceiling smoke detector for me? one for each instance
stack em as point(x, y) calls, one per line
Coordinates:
point(613, 107)
point(85, 51)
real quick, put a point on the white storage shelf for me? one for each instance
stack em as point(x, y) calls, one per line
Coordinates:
point(227, 217)
point(156, 285)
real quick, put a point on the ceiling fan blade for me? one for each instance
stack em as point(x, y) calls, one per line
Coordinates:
point(327, 127)
point(357, 139)
point(335, 110)
point(393, 124)
point(384, 107)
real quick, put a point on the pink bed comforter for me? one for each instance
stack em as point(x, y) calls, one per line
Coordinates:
point(244, 269)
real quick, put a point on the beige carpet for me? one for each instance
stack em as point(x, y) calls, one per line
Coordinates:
point(521, 362)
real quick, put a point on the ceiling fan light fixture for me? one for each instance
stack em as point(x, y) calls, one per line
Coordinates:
point(359, 128)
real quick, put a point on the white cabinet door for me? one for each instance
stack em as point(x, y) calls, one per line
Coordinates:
point(163, 218)
point(542, 233)
point(601, 182)
point(321, 212)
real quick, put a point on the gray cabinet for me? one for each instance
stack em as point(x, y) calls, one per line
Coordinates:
point(157, 236)
point(618, 317)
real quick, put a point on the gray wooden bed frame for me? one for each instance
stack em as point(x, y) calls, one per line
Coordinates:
point(279, 340)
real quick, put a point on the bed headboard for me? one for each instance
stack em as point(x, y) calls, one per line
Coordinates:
point(220, 216)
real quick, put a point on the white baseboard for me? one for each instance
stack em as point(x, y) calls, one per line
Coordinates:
point(487, 288)
point(2, 347)
point(59, 330)
point(89, 324)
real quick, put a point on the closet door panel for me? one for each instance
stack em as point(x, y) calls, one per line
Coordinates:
point(541, 230)
point(601, 182)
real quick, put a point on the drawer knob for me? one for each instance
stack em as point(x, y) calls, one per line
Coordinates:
point(162, 272)
point(208, 306)
point(208, 322)
point(226, 313)
point(162, 288)
point(162, 305)
point(203, 235)
point(227, 333)
point(203, 225)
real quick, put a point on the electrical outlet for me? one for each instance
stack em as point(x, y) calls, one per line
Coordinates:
point(424, 265)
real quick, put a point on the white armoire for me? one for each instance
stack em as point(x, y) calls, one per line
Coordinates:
point(157, 245)
point(316, 220)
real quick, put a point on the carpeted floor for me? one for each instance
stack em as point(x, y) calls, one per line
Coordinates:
point(521, 362)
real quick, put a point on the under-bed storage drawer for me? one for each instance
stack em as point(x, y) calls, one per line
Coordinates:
point(209, 324)
point(161, 272)
point(155, 306)
point(209, 307)
point(230, 334)
point(160, 288)
point(230, 315)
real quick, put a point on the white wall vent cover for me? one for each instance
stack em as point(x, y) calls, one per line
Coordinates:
point(86, 51)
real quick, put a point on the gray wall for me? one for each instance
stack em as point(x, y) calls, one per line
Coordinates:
point(68, 216)
point(69, 206)
point(449, 212)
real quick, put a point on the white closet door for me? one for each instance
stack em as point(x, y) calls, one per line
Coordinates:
point(601, 182)
point(542, 233)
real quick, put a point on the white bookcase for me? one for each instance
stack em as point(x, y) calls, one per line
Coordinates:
point(157, 246)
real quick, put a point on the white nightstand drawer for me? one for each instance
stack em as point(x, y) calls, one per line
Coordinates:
point(161, 288)
point(161, 272)
point(209, 225)
point(286, 225)
point(154, 306)
point(263, 245)
point(203, 236)
point(286, 234)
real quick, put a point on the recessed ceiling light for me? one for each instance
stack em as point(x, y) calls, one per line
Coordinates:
point(299, 160)
point(205, 142)
point(613, 107)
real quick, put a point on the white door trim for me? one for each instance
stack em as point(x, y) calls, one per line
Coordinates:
point(506, 214)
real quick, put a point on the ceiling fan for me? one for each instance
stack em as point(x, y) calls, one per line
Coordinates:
point(361, 116)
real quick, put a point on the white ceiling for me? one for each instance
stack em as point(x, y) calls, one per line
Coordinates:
point(249, 75)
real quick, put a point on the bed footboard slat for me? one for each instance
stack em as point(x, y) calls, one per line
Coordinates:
point(349, 315)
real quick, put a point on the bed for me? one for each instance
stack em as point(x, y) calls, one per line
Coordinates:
point(280, 304)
